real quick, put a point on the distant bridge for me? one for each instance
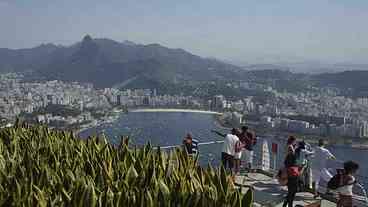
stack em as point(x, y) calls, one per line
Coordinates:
point(175, 110)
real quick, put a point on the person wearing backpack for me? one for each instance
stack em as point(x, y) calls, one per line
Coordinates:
point(344, 182)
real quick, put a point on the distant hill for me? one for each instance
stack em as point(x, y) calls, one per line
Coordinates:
point(272, 74)
point(304, 66)
point(26, 59)
point(106, 62)
point(353, 81)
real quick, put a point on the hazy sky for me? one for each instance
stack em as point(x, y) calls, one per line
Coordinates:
point(239, 30)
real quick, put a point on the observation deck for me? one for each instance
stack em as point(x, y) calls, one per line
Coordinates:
point(267, 191)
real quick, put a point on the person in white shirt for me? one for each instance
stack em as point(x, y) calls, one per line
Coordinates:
point(347, 182)
point(319, 168)
point(228, 149)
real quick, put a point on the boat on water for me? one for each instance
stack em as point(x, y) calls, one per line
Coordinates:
point(354, 145)
point(359, 146)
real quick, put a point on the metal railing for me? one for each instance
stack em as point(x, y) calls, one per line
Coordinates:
point(213, 156)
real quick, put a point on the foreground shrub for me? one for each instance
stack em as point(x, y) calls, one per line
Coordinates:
point(43, 167)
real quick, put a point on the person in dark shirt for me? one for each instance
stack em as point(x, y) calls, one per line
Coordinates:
point(190, 145)
point(243, 134)
point(248, 139)
point(291, 145)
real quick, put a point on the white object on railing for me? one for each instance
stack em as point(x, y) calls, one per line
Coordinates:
point(265, 156)
point(199, 144)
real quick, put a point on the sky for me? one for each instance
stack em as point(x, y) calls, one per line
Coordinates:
point(245, 31)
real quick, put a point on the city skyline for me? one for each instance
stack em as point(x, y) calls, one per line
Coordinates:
point(241, 31)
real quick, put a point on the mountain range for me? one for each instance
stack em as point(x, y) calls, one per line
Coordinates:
point(107, 63)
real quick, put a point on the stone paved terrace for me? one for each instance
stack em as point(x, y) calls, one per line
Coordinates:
point(269, 193)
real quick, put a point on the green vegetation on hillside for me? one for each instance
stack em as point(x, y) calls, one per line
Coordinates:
point(58, 110)
point(352, 83)
point(43, 167)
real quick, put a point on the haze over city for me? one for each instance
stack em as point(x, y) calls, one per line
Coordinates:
point(237, 31)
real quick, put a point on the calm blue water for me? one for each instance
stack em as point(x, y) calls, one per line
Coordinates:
point(158, 128)
point(163, 129)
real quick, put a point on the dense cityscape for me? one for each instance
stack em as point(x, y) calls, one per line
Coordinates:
point(74, 105)
point(184, 103)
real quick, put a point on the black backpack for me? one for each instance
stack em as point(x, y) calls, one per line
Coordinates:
point(335, 182)
point(290, 160)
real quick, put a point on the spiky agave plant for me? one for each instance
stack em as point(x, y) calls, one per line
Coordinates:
point(43, 167)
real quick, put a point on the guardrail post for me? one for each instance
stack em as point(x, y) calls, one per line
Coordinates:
point(274, 155)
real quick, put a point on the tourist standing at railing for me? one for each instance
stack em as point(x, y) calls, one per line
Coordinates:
point(302, 155)
point(248, 139)
point(290, 157)
point(293, 173)
point(319, 165)
point(190, 145)
point(347, 182)
point(228, 149)
point(291, 146)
